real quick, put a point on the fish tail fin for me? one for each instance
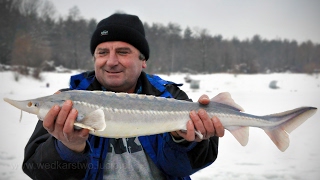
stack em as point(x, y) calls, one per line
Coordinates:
point(292, 119)
point(95, 121)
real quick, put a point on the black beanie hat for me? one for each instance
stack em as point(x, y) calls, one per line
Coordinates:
point(121, 27)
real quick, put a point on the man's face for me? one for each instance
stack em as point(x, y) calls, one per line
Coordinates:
point(117, 66)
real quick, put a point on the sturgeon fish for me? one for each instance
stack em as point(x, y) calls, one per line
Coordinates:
point(116, 115)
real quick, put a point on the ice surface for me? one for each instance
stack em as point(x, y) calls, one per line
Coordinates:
point(260, 159)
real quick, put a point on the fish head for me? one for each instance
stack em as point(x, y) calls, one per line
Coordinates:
point(33, 106)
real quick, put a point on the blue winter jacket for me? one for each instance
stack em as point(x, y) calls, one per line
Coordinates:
point(176, 161)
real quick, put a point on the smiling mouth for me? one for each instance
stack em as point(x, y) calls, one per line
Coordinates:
point(113, 72)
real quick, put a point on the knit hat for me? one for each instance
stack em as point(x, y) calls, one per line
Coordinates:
point(121, 27)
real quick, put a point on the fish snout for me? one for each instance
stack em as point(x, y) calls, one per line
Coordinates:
point(27, 106)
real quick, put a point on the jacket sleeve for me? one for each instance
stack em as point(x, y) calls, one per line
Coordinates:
point(185, 159)
point(43, 161)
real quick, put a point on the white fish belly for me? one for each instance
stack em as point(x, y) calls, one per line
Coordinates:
point(123, 124)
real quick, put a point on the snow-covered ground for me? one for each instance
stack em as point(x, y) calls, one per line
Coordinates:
point(260, 159)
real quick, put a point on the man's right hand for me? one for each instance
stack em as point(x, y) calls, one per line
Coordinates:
point(59, 123)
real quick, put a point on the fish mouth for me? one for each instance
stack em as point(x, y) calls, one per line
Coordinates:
point(27, 106)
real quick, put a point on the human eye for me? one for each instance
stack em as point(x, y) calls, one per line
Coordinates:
point(102, 52)
point(123, 51)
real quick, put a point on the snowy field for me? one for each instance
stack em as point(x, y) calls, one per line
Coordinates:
point(260, 159)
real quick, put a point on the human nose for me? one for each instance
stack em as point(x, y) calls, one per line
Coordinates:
point(113, 59)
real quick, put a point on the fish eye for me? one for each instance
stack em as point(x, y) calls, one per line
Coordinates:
point(30, 104)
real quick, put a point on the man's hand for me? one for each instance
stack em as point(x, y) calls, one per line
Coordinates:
point(201, 122)
point(59, 123)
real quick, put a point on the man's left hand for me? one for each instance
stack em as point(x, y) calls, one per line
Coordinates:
point(201, 122)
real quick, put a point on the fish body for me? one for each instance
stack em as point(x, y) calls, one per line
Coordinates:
point(115, 115)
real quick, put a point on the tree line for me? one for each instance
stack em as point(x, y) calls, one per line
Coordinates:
point(31, 35)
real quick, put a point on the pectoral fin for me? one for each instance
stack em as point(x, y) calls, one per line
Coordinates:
point(95, 121)
point(198, 133)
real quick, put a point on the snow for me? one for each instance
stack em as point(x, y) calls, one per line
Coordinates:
point(260, 159)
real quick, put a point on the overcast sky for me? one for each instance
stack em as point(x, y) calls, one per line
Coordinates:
point(271, 19)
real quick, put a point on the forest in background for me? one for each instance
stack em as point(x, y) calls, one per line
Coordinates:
point(31, 35)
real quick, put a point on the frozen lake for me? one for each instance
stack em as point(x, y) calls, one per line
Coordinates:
point(260, 159)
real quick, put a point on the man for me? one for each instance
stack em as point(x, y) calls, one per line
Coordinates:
point(58, 151)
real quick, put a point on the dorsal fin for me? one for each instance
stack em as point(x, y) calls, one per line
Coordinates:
point(225, 98)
